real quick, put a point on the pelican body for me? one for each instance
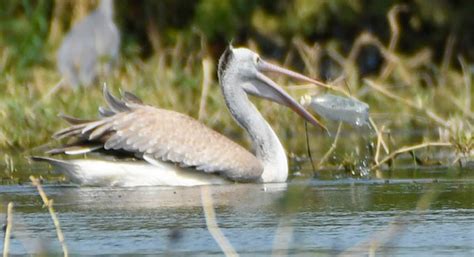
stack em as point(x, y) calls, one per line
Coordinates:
point(92, 43)
point(166, 148)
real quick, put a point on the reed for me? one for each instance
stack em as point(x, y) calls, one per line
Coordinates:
point(49, 204)
point(211, 223)
point(8, 230)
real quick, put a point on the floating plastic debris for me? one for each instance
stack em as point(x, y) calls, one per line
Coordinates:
point(339, 108)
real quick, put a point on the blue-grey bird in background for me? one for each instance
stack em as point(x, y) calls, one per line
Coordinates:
point(91, 45)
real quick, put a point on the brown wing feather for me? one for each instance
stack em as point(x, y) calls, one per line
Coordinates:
point(169, 136)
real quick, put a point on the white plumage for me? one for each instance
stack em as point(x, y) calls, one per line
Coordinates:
point(92, 172)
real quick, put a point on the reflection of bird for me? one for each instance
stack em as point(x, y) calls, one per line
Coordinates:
point(237, 196)
point(179, 150)
point(91, 43)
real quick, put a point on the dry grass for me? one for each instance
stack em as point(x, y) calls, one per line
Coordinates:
point(411, 92)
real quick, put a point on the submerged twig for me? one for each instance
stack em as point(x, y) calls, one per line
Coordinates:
point(211, 223)
point(408, 149)
point(49, 204)
point(8, 231)
point(333, 146)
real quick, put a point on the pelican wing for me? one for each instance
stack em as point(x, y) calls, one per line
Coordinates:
point(157, 134)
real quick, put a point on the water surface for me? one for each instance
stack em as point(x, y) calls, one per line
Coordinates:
point(301, 218)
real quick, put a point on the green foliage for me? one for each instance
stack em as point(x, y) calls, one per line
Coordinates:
point(24, 29)
point(25, 24)
point(318, 16)
point(223, 19)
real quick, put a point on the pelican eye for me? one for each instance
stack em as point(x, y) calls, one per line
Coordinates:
point(256, 59)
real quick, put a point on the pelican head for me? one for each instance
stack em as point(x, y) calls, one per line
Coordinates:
point(241, 67)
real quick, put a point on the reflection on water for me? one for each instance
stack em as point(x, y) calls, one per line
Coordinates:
point(325, 217)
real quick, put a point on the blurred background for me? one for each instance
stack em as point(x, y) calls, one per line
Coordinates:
point(32, 30)
point(410, 60)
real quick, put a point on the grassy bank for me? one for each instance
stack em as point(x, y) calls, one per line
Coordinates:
point(413, 101)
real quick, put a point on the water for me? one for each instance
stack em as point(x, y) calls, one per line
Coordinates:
point(316, 217)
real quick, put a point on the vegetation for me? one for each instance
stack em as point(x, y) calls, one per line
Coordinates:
point(419, 88)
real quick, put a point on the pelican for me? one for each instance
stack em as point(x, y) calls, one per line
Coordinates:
point(173, 149)
point(92, 43)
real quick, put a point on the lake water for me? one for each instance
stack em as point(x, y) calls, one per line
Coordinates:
point(301, 218)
